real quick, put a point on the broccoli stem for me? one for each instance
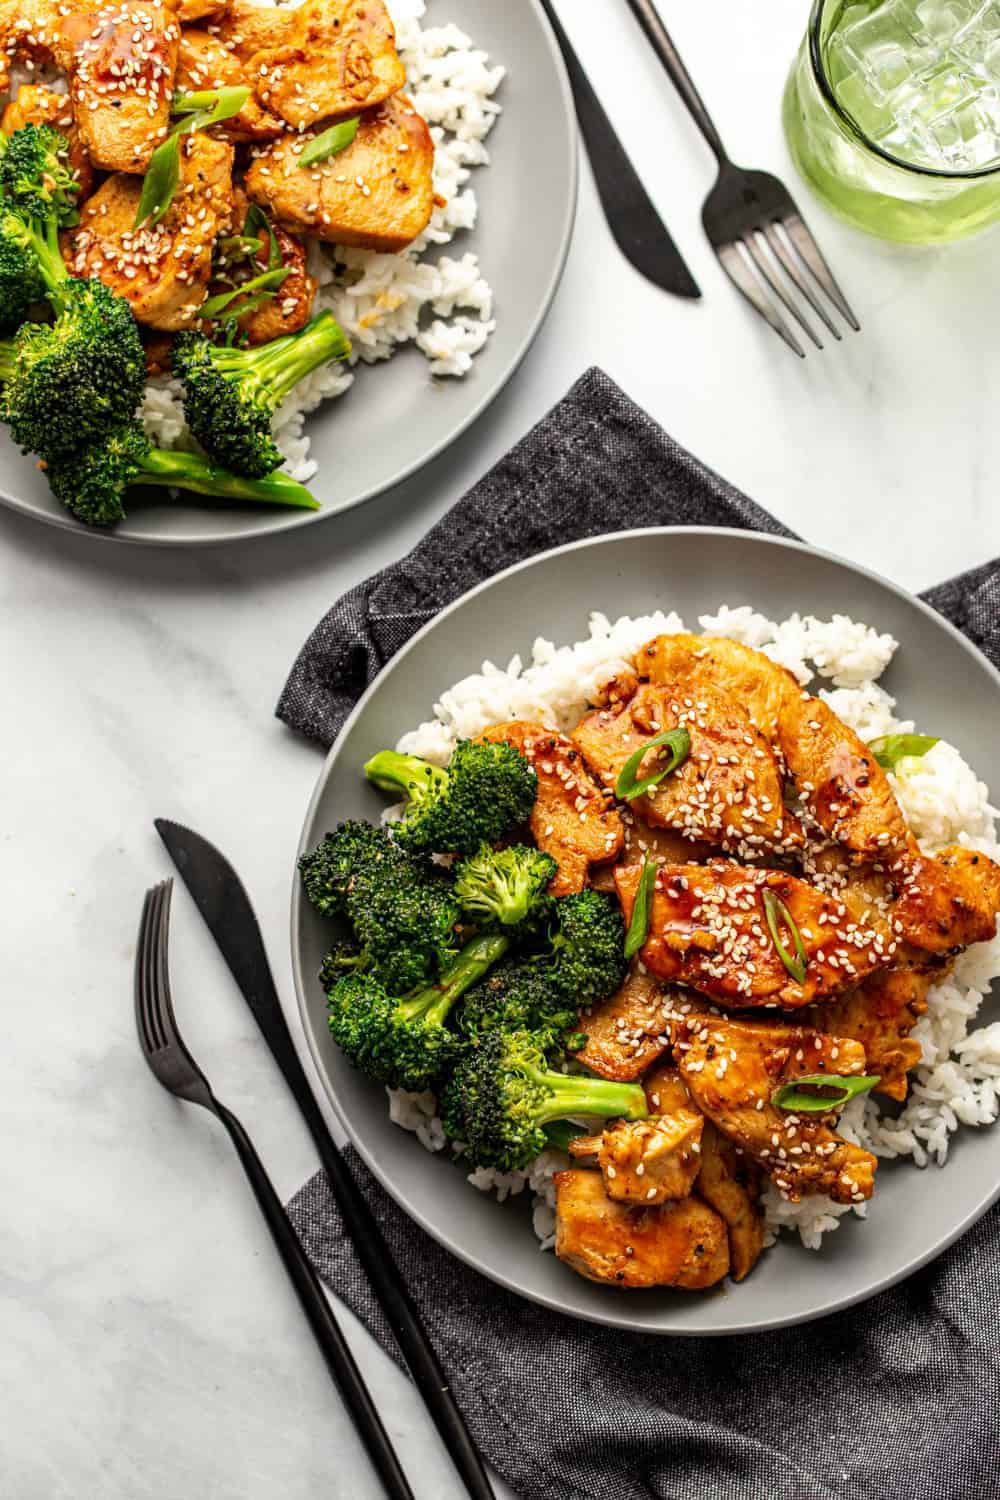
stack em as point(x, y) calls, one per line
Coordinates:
point(570, 1094)
point(282, 363)
point(393, 772)
point(7, 355)
point(433, 1003)
point(186, 471)
point(44, 240)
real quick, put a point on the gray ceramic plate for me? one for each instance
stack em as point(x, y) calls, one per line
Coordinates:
point(397, 417)
point(940, 680)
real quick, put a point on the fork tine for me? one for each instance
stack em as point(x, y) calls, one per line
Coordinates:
point(798, 232)
point(745, 282)
point(766, 270)
point(141, 972)
point(795, 276)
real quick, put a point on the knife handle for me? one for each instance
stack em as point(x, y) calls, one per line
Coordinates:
point(329, 1336)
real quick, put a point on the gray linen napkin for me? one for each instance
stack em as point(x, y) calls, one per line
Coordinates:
point(893, 1400)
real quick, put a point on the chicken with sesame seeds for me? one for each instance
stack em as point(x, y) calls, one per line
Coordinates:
point(733, 1068)
point(204, 63)
point(163, 270)
point(727, 1179)
point(627, 1032)
point(727, 791)
point(378, 193)
point(312, 62)
point(647, 1161)
point(838, 778)
point(121, 59)
point(189, 11)
point(291, 307)
point(682, 1244)
point(709, 928)
point(880, 1014)
point(37, 105)
point(572, 819)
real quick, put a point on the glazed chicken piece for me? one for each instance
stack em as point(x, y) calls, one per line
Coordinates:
point(727, 792)
point(291, 307)
point(37, 105)
point(728, 1179)
point(164, 270)
point(838, 778)
point(121, 60)
point(200, 10)
point(678, 1244)
point(377, 194)
point(732, 1069)
point(708, 929)
point(329, 57)
point(880, 1014)
point(572, 819)
point(647, 1161)
point(936, 905)
point(627, 1032)
point(204, 63)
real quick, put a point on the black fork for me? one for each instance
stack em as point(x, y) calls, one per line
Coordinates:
point(174, 1067)
point(752, 222)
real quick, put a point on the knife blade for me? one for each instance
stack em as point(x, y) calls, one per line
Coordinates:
point(639, 232)
point(221, 897)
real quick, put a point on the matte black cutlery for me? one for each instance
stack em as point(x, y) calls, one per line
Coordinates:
point(640, 233)
point(752, 222)
point(174, 1067)
point(222, 900)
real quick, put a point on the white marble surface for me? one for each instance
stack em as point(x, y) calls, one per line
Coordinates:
point(149, 1346)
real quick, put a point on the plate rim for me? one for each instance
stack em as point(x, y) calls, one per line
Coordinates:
point(442, 1236)
point(296, 519)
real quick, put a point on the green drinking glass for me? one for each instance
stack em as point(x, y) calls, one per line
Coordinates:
point(892, 113)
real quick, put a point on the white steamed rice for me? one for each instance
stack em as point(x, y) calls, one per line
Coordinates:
point(442, 304)
point(958, 1081)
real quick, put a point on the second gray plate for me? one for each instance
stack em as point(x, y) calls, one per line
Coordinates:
point(940, 681)
point(397, 417)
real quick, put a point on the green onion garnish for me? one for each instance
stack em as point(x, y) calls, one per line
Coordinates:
point(164, 171)
point(776, 911)
point(892, 748)
point(790, 1096)
point(336, 139)
point(268, 281)
point(626, 787)
point(638, 928)
point(560, 1133)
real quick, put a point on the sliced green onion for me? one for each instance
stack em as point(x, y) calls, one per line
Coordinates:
point(776, 911)
point(164, 171)
point(256, 222)
point(242, 245)
point(790, 1096)
point(561, 1132)
point(267, 281)
point(209, 106)
point(626, 787)
point(638, 928)
point(160, 182)
point(332, 141)
point(892, 748)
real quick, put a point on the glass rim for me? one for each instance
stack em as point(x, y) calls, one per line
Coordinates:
point(823, 84)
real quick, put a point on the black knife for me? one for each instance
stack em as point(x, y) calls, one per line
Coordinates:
point(222, 900)
point(641, 234)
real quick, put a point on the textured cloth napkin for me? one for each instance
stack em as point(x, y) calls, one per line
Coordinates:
point(893, 1400)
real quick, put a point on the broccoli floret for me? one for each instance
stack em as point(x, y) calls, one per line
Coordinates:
point(503, 885)
point(36, 178)
point(587, 959)
point(343, 958)
point(544, 990)
point(501, 1096)
point(404, 1042)
point(402, 909)
point(21, 283)
point(231, 394)
point(92, 483)
point(486, 790)
point(77, 378)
